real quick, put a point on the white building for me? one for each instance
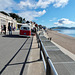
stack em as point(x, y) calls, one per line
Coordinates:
point(4, 20)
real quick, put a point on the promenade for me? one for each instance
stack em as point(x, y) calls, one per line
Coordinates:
point(63, 41)
point(55, 55)
point(20, 55)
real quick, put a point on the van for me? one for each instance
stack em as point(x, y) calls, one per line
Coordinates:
point(25, 30)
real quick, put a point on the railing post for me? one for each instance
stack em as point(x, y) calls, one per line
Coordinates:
point(48, 69)
point(37, 37)
point(40, 51)
point(38, 40)
point(38, 43)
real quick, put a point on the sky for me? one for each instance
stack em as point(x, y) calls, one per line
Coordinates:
point(49, 13)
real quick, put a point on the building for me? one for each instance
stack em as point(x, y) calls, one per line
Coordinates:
point(5, 20)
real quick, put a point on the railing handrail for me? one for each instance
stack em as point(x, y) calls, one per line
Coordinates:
point(47, 60)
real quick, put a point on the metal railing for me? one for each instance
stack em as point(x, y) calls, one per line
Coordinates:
point(49, 67)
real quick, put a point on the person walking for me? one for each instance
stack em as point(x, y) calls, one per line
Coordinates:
point(5, 29)
point(1, 29)
point(9, 29)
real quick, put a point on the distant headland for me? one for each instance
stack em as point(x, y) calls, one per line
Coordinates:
point(62, 27)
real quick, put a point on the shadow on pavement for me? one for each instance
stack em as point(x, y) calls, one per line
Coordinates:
point(33, 61)
point(14, 36)
point(13, 57)
point(26, 62)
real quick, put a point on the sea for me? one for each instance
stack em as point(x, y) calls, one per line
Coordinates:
point(69, 32)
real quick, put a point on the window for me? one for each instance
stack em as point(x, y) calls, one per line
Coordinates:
point(25, 28)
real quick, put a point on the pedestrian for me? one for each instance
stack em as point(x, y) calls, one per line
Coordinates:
point(1, 29)
point(5, 29)
point(9, 29)
point(14, 29)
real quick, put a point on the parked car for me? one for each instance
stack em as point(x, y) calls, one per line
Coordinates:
point(25, 30)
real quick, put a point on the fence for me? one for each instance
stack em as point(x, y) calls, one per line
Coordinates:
point(49, 67)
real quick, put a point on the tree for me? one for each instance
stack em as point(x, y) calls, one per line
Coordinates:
point(4, 13)
point(13, 15)
point(17, 17)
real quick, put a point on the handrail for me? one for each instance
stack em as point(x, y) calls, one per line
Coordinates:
point(50, 69)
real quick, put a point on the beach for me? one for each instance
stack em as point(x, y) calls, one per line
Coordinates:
point(63, 40)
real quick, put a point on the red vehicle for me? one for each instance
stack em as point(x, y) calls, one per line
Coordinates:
point(25, 30)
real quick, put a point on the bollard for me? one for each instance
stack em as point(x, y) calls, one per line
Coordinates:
point(50, 38)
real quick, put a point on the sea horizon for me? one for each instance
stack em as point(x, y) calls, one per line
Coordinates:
point(69, 32)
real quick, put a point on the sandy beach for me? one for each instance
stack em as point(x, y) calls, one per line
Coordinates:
point(63, 40)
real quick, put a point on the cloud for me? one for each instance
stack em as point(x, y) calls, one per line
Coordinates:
point(27, 8)
point(57, 23)
point(6, 5)
point(60, 3)
point(31, 15)
point(42, 3)
point(31, 4)
point(10, 5)
point(64, 21)
point(24, 4)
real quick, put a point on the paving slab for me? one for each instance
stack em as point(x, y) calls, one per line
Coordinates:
point(59, 56)
point(35, 65)
point(51, 48)
point(43, 38)
point(13, 69)
point(65, 68)
point(47, 43)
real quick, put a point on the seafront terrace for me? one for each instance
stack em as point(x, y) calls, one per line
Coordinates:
point(61, 62)
point(33, 56)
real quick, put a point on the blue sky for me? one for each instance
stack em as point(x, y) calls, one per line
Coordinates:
point(49, 13)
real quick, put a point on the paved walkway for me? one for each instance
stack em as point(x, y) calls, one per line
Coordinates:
point(13, 54)
point(36, 66)
point(63, 64)
point(67, 52)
